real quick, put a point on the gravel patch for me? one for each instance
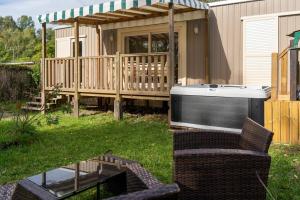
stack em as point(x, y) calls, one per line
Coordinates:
point(6, 191)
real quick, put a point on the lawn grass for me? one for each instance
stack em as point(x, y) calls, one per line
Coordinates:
point(146, 139)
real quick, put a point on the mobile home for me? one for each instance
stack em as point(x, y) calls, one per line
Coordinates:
point(225, 42)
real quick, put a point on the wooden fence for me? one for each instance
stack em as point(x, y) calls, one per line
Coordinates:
point(140, 74)
point(283, 118)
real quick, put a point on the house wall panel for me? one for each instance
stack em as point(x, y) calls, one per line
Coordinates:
point(90, 47)
point(195, 52)
point(226, 31)
point(287, 25)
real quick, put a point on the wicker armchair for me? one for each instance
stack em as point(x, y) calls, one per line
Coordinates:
point(222, 165)
point(142, 185)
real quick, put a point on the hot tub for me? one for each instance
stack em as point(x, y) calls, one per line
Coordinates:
point(220, 107)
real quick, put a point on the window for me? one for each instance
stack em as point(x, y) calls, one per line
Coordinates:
point(136, 44)
point(140, 43)
point(160, 42)
point(80, 48)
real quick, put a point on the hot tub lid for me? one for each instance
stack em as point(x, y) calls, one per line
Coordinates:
point(240, 91)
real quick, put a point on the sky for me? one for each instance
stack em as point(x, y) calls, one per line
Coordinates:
point(33, 8)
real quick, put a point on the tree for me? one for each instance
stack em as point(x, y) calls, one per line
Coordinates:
point(7, 23)
point(25, 22)
point(19, 41)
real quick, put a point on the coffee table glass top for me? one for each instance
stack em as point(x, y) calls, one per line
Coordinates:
point(63, 182)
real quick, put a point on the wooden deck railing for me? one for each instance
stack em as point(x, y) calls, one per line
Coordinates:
point(97, 74)
point(144, 74)
point(59, 71)
point(140, 74)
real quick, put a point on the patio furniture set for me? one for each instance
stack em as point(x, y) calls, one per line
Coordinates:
point(207, 165)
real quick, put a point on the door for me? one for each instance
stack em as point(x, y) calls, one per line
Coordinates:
point(260, 41)
point(63, 49)
point(155, 39)
point(152, 42)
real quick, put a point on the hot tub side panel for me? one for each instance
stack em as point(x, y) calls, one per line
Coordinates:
point(209, 111)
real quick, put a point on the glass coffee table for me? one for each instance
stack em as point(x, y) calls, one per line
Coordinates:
point(68, 181)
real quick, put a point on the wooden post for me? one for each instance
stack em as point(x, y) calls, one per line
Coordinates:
point(77, 174)
point(76, 95)
point(99, 52)
point(44, 56)
point(44, 179)
point(171, 45)
point(293, 74)
point(99, 40)
point(274, 92)
point(171, 73)
point(118, 112)
point(207, 72)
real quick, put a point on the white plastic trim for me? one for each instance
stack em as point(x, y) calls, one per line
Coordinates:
point(280, 14)
point(228, 2)
point(231, 92)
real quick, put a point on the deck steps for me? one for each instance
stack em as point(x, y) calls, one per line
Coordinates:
point(36, 105)
point(31, 108)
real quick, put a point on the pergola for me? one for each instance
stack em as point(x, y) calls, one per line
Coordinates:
point(117, 11)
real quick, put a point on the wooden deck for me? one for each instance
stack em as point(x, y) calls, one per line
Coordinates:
point(139, 76)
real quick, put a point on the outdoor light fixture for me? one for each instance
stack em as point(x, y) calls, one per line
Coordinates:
point(196, 30)
point(111, 38)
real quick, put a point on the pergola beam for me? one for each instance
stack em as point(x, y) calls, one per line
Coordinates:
point(138, 11)
point(118, 14)
point(106, 16)
point(155, 9)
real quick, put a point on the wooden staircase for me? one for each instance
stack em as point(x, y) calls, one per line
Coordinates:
point(36, 105)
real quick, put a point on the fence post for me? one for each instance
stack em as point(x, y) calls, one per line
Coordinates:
point(118, 113)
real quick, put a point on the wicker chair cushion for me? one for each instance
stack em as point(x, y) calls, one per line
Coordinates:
point(255, 137)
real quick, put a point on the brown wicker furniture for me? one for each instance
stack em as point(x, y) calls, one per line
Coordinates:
point(222, 165)
point(124, 178)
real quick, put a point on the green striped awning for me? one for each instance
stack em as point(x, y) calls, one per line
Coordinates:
point(118, 5)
